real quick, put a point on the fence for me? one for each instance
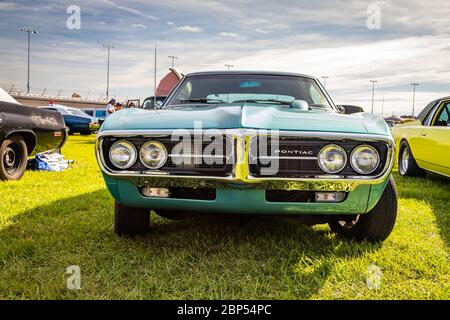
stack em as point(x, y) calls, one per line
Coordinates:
point(49, 93)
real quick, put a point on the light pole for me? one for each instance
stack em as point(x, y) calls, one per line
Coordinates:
point(325, 81)
point(173, 59)
point(229, 66)
point(109, 47)
point(414, 96)
point(29, 31)
point(373, 91)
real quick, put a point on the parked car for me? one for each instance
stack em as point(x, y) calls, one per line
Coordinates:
point(25, 131)
point(98, 114)
point(250, 143)
point(424, 144)
point(75, 119)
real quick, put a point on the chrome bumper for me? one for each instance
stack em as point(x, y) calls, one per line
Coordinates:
point(241, 177)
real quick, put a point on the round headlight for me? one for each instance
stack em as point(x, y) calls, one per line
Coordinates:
point(332, 158)
point(122, 154)
point(365, 159)
point(153, 155)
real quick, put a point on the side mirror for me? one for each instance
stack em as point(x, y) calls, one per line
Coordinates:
point(341, 109)
point(299, 105)
point(158, 104)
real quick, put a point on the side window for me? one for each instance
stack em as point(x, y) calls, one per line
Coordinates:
point(185, 94)
point(316, 96)
point(442, 120)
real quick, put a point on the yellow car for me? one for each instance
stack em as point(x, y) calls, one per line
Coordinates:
point(424, 144)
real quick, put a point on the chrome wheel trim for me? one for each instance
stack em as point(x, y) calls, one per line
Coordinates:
point(404, 162)
point(348, 224)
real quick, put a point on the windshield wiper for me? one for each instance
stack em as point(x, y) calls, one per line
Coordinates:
point(202, 100)
point(263, 101)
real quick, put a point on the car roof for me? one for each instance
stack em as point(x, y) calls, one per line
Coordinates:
point(243, 72)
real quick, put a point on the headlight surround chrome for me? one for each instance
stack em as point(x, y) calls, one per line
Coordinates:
point(365, 159)
point(332, 158)
point(153, 155)
point(122, 154)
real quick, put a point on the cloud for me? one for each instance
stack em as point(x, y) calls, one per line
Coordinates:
point(229, 34)
point(261, 31)
point(188, 28)
point(7, 5)
point(131, 10)
point(138, 25)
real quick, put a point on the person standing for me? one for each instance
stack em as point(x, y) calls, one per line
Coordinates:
point(111, 107)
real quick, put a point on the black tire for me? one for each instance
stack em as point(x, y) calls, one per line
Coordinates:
point(86, 133)
point(131, 221)
point(407, 165)
point(375, 225)
point(13, 158)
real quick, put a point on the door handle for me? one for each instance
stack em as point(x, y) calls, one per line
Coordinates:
point(423, 134)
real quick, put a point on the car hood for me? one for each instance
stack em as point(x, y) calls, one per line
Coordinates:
point(252, 116)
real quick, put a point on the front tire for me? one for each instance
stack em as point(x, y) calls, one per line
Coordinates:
point(131, 221)
point(375, 225)
point(13, 158)
point(407, 165)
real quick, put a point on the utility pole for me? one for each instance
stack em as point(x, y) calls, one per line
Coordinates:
point(229, 66)
point(325, 81)
point(382, 107)
point(373, 91)
point(414, 96)
point(29, 31)
point(173, 59)
point(109, 47)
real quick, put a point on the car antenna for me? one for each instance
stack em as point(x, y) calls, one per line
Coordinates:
point(154, 81)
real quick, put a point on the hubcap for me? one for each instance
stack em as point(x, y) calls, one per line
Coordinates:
point(11, 158)
point(348, 224)
point(404, 163)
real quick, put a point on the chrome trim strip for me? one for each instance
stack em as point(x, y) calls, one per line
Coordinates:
point(285, 158)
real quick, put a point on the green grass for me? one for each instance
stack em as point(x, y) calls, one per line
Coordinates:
point(49, 221)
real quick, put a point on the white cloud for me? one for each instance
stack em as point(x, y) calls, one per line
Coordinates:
point(139, 26)
point(7, 5)
point(131, 10)
point(229, 34)
point(190, 29)
point(261, 31)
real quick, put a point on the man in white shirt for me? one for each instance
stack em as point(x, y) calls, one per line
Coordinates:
point(110, 108)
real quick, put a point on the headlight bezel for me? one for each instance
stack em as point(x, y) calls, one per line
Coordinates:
point(326, 170)
point(161, 163)
point(356, 168)
point(133, 157)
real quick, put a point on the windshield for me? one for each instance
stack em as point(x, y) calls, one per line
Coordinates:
point(241, 88)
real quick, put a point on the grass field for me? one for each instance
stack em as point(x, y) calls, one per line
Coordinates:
point(49, 221)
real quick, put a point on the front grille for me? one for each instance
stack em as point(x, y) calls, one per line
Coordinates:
point(297, 157)
point(194, 164)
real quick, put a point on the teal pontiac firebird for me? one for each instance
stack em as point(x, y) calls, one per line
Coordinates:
point(250, 143)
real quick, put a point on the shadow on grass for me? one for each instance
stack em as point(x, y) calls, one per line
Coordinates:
point(279, 254)
point(434, 190)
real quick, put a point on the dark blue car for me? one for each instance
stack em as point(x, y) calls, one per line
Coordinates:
point(76, 120)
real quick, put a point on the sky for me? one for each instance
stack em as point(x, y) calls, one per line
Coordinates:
point(352, 42)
